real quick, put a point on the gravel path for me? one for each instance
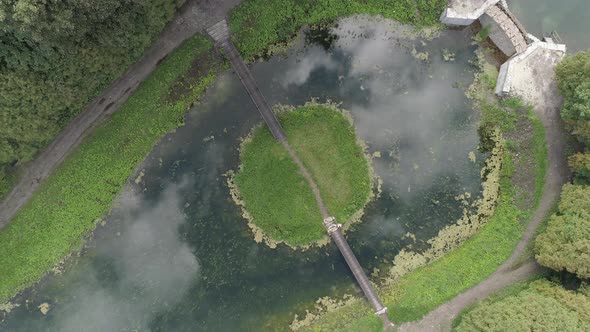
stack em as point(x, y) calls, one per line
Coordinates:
point(193, 17)
point(539, 89)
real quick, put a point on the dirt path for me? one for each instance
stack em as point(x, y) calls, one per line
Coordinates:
point(314, 188)
point(193, 17)
point(543, 95)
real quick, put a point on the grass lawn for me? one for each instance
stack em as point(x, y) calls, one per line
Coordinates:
point(277, 196)
point(81, 190)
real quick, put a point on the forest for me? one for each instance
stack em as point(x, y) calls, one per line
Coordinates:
point(55, 56)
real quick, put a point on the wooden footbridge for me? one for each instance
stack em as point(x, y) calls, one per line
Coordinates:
point(220, 34)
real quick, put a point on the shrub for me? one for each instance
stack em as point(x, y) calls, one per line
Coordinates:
point(573, 77)
point(580, 165)
point(565, 244)
point(544, 306)
point(58, 55)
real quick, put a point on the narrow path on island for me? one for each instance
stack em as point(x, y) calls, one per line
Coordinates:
point(193, 17)
point(547, 108)
point(310, 181)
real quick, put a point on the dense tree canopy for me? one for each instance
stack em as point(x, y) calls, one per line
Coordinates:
point(580, 165)
point(543, 306)
point(573, 75)
point(565, 244)
point(56, 55)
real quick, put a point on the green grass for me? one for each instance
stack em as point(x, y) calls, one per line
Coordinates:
point(422, 290)
point(257, 24)
point(278, 197)
point(81, 190)
point(493, 115)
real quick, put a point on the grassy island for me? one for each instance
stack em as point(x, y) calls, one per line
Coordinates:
point(276, 197)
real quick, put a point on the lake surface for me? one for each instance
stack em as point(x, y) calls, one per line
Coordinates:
point(570, 18)
point(175, 254)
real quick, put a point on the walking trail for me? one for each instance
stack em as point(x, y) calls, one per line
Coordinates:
point(540, 90)
point(193, 17)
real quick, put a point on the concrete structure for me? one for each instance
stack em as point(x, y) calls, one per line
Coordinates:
point(528, 55)
point(220, 34)
point(505, 29)
point(506, 32)
point(539, 59)
point(465, 12)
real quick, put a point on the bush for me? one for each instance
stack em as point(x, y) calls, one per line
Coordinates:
point(544, 306)
point(580, 165)
point(81, 190)
point(55, 56)
point(565, 244)
point(573, 77)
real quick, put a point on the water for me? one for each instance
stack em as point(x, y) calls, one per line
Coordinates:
point(175, 253)
point(568, 17)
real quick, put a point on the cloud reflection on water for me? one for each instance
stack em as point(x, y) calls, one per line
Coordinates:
point(410, 104)
point(313, 60)
point(152, 268)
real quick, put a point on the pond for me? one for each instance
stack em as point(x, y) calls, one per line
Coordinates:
point(175, 254)
point(568, 17)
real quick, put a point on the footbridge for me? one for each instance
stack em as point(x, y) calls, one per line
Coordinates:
point(220, 34)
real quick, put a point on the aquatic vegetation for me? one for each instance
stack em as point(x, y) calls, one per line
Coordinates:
point(256, 24)
point(464, 253)
point(69, 203)
point(275, 196)
point(414, 287)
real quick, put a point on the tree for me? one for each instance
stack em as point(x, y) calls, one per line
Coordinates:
point(573, 77)
point(580, 165)
point(55, 56)
point(565, 244)
point(543, 306)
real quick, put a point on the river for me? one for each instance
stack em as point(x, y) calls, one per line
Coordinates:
point(175, 254)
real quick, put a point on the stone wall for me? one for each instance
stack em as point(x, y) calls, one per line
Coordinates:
point(498, 35)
